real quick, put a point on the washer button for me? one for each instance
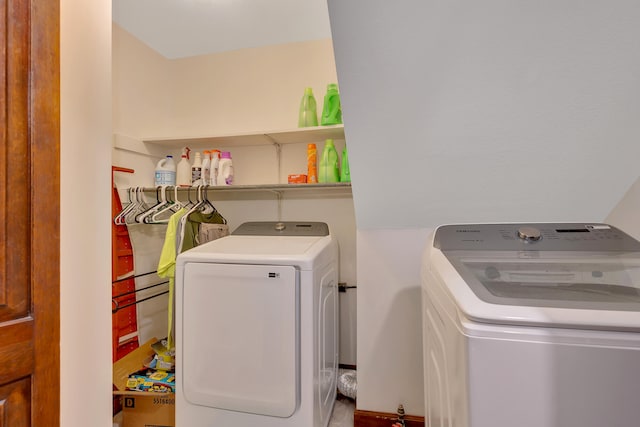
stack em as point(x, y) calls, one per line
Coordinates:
point(280, 226)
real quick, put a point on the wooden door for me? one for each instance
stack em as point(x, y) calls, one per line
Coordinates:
point(29, 213)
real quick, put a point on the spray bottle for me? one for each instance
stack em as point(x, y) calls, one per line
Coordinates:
point(183, 173)
point(196, 170)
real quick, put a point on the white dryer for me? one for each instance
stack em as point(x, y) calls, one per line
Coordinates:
point(531, 325)
point(257, 328)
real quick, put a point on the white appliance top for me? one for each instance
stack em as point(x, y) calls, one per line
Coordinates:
point(580, 275)
point(282, 228)
point(291, 245)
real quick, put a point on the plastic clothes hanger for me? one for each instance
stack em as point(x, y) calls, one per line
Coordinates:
point(140, 206)
point(160, 201)
point(120, 218)
point(171, 207)
point(183, 219)
point(163, 205)
point(190, 203)
point(196, 205)
point(209, 208)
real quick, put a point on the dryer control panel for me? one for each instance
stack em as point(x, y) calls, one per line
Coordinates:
point(578, 237)
point(282, 228)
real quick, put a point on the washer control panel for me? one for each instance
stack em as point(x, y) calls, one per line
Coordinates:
point(282, 228)
point(535, 237)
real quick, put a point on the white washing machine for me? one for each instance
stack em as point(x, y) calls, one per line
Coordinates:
point(257, 328)
point(531, 325)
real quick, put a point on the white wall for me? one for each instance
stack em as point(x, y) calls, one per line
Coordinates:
point(248, 89)
point(389, 319)
point(85, 292)
point(468, 112)
point(141, 81)
point(518, 110)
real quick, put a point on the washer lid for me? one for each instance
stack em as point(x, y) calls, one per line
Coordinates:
point(593, 281)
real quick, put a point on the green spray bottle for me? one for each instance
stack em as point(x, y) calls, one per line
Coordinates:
point(328, 170)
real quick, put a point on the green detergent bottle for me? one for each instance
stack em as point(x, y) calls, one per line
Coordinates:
point(308, 115)
point(331, 109)
point(345, 173)
point(328, 170)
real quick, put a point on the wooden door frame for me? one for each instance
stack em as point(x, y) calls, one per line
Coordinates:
point(44, 147)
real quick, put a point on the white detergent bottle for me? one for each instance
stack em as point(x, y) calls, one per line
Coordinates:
point(165, 172)
point(215, 165)
point(225, 169)
point(196, 170)
point(183, 173)
point(206, 167)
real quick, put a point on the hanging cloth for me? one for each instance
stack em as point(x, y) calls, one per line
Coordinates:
point(192, 228)
point(209, 232)
point(167, 266)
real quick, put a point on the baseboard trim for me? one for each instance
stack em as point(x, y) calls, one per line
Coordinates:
point(382, 419)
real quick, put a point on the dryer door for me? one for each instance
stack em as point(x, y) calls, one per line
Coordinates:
point(240, 337)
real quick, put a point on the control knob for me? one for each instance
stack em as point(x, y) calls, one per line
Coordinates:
point(529, 234)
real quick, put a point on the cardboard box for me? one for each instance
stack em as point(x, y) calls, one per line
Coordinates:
point(141, 409)
point(148, 410)
point(297, 179)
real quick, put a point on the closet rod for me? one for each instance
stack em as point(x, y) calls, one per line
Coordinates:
point(139, 290)
point(178, 187)
point(120, 307)
point(124, 279)
point(249, 187)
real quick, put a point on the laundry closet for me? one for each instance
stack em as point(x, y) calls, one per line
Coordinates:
point(246, 102)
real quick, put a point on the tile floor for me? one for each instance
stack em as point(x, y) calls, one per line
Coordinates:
point(342, 413)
